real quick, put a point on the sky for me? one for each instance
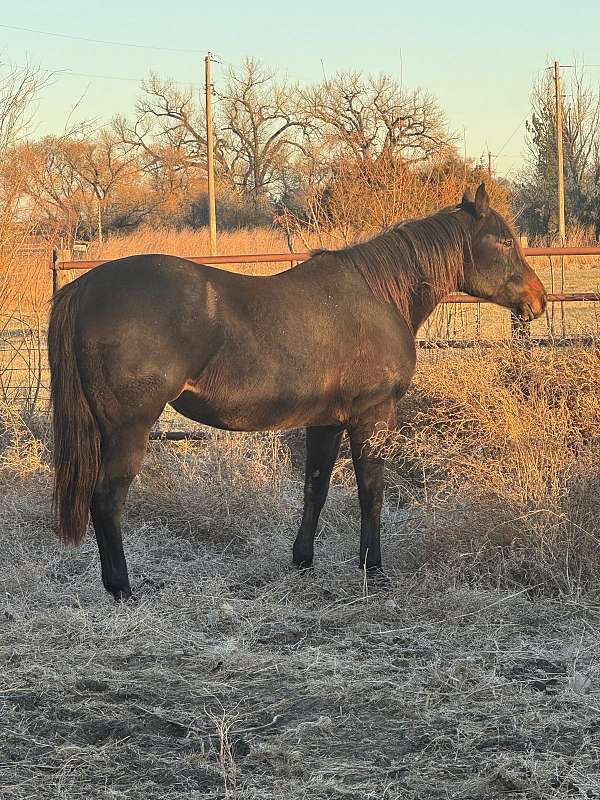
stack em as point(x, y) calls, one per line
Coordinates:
point(478, 59)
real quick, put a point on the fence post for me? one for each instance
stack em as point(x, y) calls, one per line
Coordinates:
point(54, 271)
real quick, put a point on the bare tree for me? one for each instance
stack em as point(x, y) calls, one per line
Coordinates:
point(261, 130)
point(370, 148)
point(535, 195)
point(52, 186)
point(373, 118)
point(19, 88)
point(257, 132)
point(103, 165)
point(169, 127)
point(77, 180)
point(582, 147)
point(19, 277)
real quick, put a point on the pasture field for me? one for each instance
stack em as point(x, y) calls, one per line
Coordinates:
point(474, 675)
point(29, 280)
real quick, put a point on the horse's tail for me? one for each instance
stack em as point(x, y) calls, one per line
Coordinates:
point(76, 433)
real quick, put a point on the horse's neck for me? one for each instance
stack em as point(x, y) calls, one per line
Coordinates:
point(420, 310)
point(424, 304)
point(425, 299)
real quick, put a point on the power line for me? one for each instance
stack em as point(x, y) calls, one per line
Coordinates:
point(101, 41)
point(218, 59)
point(510, 138)
point(500, 153)
point(69, 73)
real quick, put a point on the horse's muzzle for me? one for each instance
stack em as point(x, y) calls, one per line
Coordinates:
point(532, 308)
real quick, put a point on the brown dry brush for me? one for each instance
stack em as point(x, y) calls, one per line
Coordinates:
point(499, 450)
point(187, 242)
point(24, 273)
point(493, 474)
point(348, 200)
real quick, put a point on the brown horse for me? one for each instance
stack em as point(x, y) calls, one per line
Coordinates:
point(328, 346)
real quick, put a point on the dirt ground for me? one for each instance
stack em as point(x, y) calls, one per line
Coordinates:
point(234, 676)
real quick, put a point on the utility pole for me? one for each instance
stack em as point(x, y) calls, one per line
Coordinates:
point(559, 154)
point(99, 212)
point(210, 161)
point(561, 184)
point(489, 165)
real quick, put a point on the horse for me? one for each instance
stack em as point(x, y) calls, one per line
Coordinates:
point(328, 346)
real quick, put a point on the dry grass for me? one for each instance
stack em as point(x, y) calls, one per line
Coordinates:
point(25, 288)
point(30, 280)
point(197, 243)
point(503, 444)
point(475, 676)
point(25, 281)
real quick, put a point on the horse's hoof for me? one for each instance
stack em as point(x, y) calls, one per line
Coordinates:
point(376, 578)
point(301, 558)
point(302, 564)
point(123, 596)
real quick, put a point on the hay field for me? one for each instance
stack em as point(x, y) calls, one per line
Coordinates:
point(29, 280)
point(475, 675)
point(27, 289)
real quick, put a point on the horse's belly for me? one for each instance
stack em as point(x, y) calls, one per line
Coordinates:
point(273, 413)
point(249, 398)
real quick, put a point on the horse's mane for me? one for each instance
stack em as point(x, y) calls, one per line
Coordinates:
point(419, 257)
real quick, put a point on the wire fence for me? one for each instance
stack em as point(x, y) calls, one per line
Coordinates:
point(460, 322)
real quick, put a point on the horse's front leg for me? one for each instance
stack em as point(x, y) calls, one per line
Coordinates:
point(369, 467)
point(322, 446)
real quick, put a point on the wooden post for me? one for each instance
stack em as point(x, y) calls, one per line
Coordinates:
point(210, 163)
point(99, 211)
point(489, 165)
point(55, 286)
point(561, 183)
point(559, 156)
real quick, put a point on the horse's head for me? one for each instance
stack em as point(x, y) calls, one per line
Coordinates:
point(496, 269)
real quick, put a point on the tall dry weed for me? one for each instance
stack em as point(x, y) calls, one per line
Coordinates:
point(187, 242)
point(22, 446)
point(499, 448)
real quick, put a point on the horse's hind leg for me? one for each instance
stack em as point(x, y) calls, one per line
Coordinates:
point(122, 456)
point(322, 446)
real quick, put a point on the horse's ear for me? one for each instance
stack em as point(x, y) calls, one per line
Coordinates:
point(467, 197)
point(482, 201)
